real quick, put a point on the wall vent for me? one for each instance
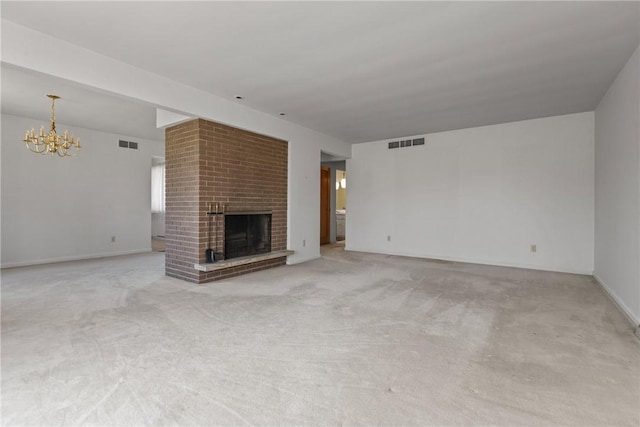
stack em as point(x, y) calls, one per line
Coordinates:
point(128, 144)
point(406, 143)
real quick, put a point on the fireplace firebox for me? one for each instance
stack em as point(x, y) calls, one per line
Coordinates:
point(246, 234)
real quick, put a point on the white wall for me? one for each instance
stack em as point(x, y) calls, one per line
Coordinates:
point(303, 203)
point(56, 209)
point(480, 195)
point(617, 190)
point(26, 48)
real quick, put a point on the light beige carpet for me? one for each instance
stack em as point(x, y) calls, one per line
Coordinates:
point(350, 339)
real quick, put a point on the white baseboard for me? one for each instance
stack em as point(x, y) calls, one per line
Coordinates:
point(477, 261)
point(71, 258)
point(633, 318)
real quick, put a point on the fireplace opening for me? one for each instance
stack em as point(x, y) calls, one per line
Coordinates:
point(246, 234)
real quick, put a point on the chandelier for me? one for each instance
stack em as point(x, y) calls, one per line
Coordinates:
point(52, 142)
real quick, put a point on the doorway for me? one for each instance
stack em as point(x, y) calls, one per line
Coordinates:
point(341, 204)
point(157, 204)
point(325, 205)
point(337, 197)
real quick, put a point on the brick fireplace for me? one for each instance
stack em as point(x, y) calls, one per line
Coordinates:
point(213, 172)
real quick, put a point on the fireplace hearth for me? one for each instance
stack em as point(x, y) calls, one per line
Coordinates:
point(246, 234)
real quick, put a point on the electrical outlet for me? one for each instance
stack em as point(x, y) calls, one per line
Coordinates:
point(388, 238)
point(534, 248)
point(113, 239)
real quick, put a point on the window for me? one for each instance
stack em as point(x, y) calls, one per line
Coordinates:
point(157, 188)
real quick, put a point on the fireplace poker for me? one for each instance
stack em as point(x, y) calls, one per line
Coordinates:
point(209, 253)
point(223, 228)
point(216, 230)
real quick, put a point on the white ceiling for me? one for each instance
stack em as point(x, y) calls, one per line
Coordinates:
point(24, 94)
point(362, 71)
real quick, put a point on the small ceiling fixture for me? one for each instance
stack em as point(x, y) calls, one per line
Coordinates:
point(239, 97)
point(51, 142)
point(283, 114)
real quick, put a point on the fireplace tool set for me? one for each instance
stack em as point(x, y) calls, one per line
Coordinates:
point(211, 254)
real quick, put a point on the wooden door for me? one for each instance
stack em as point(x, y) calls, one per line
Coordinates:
point(325, 205)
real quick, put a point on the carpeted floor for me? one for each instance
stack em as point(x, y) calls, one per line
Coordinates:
point(349, 339)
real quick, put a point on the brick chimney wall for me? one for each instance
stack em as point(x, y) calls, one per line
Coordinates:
point(209, 163)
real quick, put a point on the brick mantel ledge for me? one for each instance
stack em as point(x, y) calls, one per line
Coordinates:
point(235, 262)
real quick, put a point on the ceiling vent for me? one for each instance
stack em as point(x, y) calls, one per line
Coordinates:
point(406, 143)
